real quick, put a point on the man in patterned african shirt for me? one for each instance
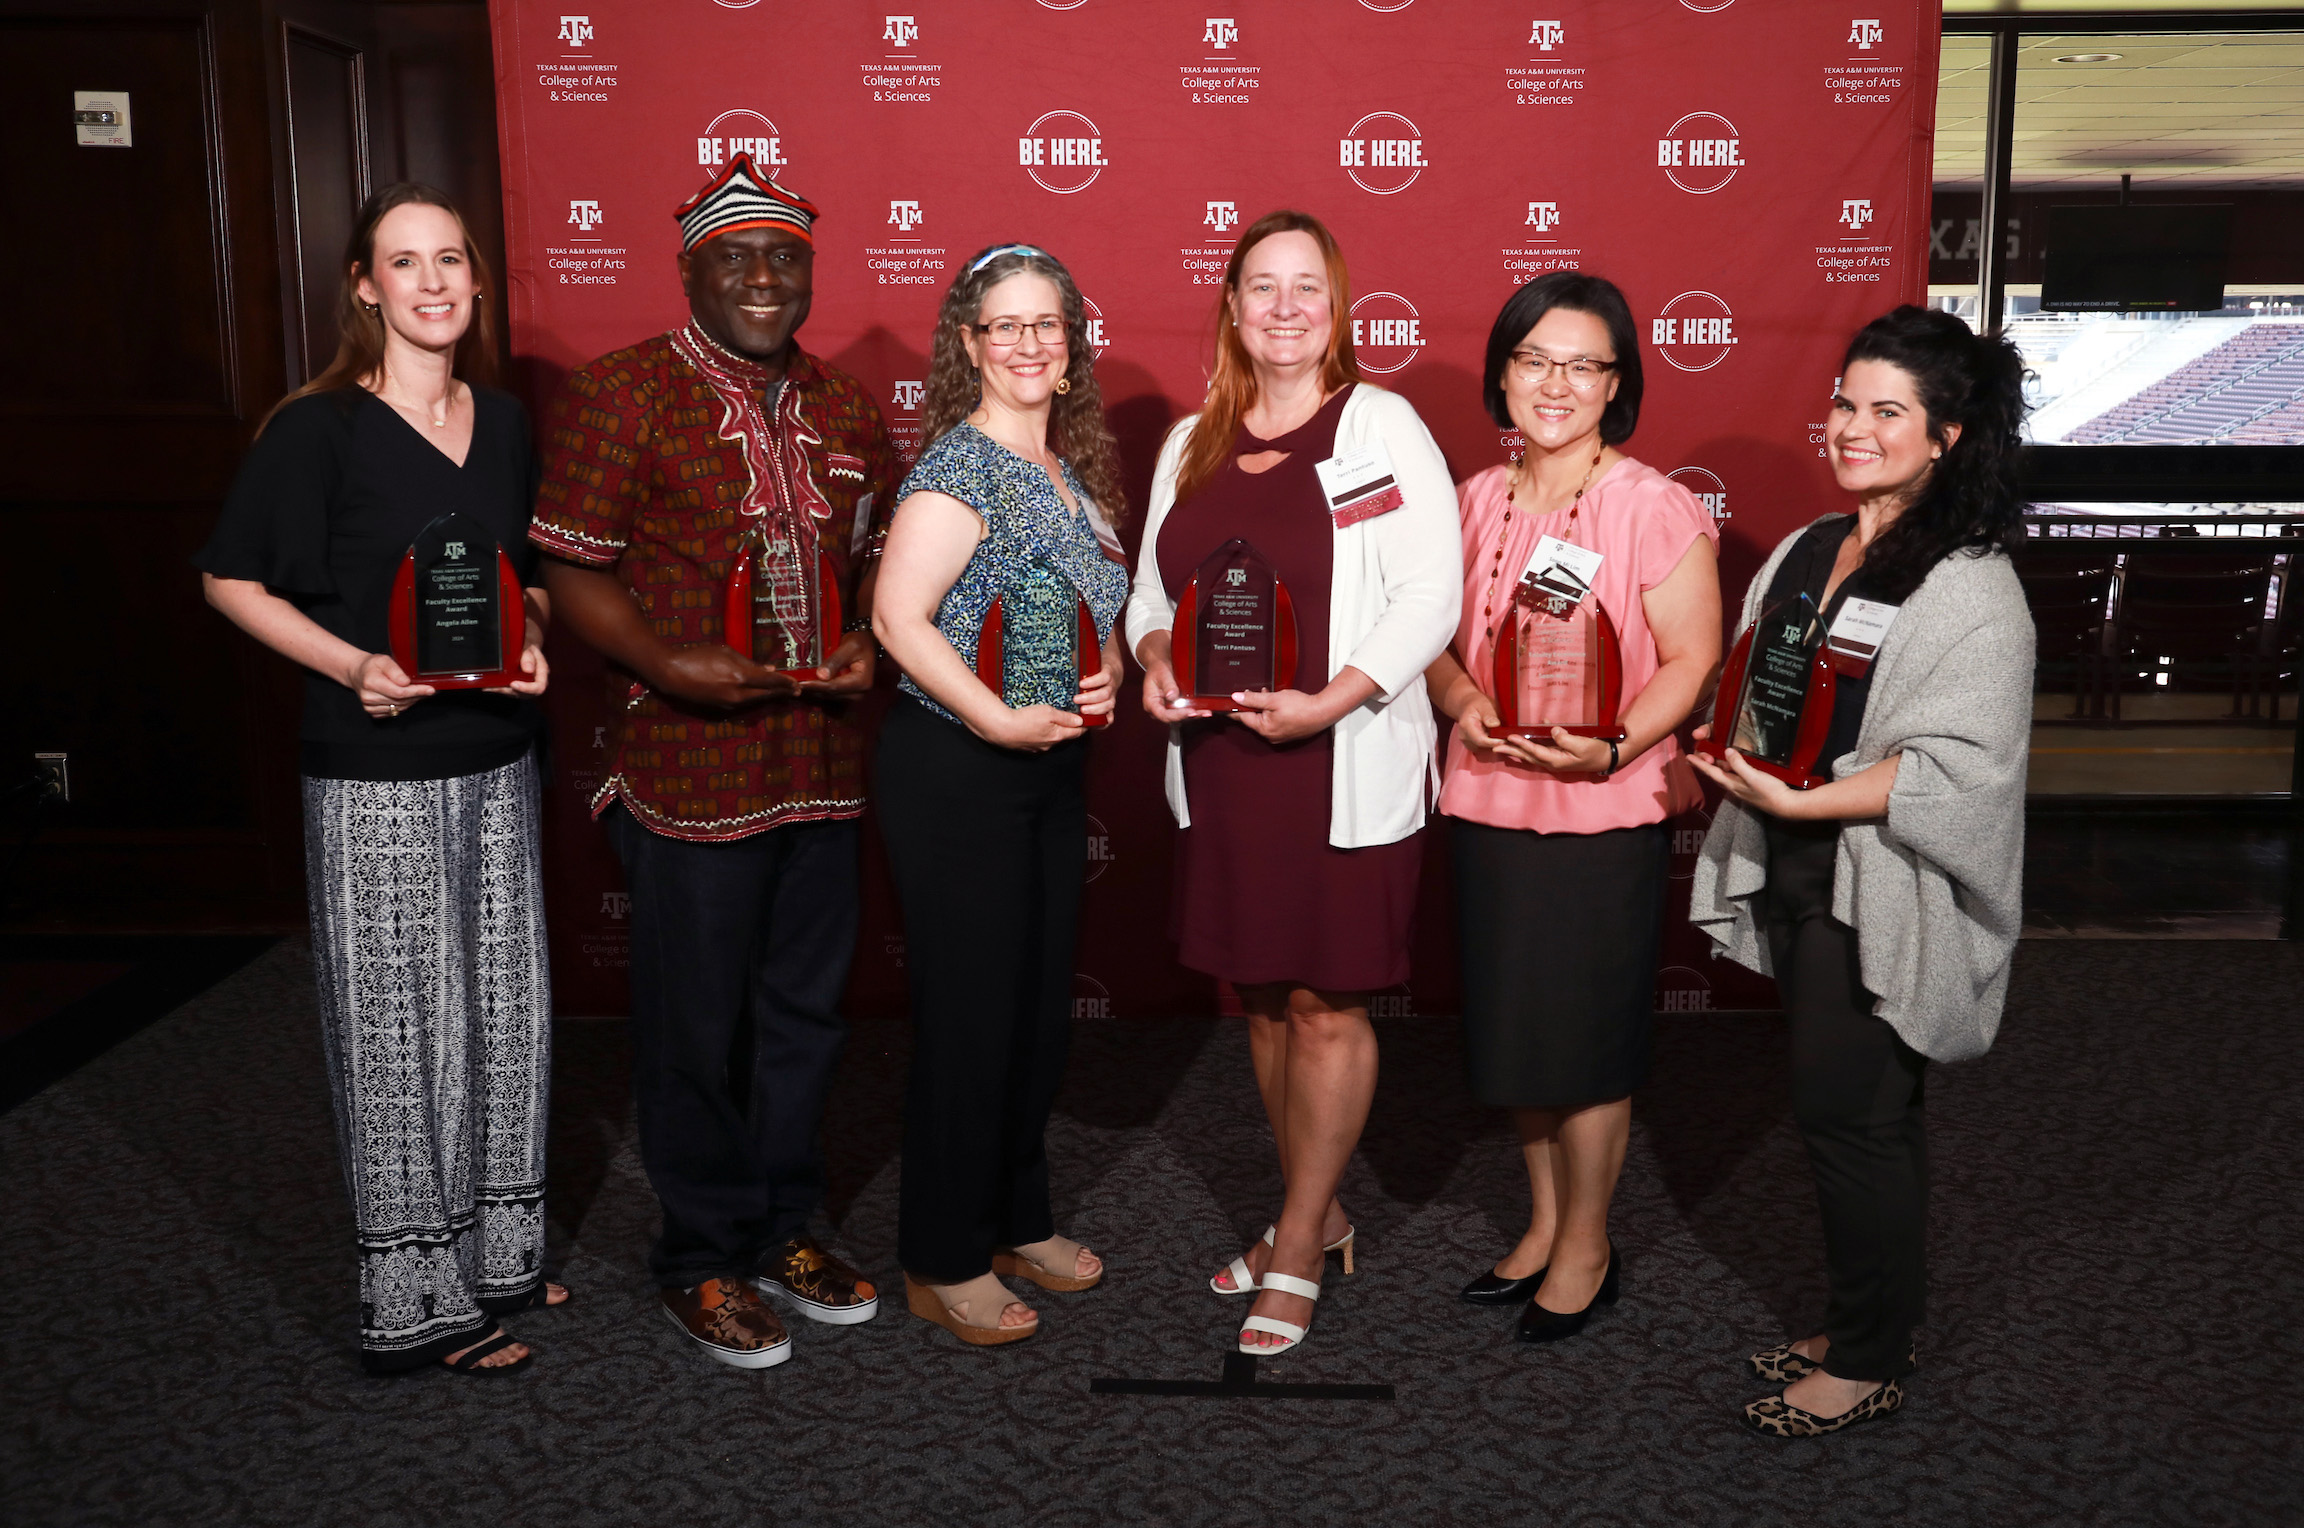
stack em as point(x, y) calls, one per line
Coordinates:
point(720, 469)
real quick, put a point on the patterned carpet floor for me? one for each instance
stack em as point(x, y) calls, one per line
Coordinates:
point(2118, 1263)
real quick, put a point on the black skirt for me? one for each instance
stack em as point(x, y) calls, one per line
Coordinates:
point(1559, 939)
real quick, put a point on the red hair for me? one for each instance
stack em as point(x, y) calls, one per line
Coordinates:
point(1232, 388)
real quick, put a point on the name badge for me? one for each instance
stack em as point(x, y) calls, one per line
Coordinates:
point(1359, 485)
point(1563, 568)
point(1857, 632)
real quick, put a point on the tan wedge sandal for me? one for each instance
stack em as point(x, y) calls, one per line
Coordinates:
point(1021, 1265)
point(928, 1305)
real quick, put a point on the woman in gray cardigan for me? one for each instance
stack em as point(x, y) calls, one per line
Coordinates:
point(1885, 902)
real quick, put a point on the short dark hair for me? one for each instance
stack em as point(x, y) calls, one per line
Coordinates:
point(1578, 292)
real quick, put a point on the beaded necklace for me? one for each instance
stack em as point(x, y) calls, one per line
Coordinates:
point(1511, 489)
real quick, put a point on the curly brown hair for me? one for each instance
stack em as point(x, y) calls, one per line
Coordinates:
point(1076, 428)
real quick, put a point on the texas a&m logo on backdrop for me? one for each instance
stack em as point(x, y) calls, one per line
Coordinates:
point(1700, 153)
point(1063, 152)
point(575, 31)
point(1387, 332)
point(1383, 152)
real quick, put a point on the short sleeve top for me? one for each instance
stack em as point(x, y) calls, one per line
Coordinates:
point(1034, 543)
point(332, 493)
point(1642, 523)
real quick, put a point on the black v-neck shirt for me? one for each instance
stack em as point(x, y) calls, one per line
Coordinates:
point(337, 487)
point(1806, 569)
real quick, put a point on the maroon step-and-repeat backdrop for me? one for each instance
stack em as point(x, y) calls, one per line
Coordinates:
point(1753, 173)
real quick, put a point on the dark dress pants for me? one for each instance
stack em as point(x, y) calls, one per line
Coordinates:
point(1857, 1091)
point(746, 940)
point(988, 846)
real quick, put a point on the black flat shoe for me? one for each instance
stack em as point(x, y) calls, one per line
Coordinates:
point(1492, 1288)
point(1540, 1325)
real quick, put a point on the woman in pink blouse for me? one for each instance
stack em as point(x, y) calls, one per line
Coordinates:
point(1559, 843)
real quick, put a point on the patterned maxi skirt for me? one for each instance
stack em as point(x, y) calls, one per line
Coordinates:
point(435, 1010)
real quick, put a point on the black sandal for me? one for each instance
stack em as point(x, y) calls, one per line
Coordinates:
point(468, 1362)
point(537, 1298)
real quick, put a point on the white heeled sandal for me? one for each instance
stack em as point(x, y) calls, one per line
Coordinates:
point(1287, 1284)
point(1244, 1282)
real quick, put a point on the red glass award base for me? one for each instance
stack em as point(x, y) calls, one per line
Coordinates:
point(992, 654)
point(413, 624)
point(1796, 765)
point(1558, 664)
point(1234, 631)
point(740, 616)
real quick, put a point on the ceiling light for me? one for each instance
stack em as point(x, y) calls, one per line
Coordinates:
point(2088, 58)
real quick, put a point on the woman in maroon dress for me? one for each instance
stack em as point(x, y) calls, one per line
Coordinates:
point(1301, 811)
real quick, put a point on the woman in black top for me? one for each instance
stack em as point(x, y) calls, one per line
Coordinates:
point(420, 803)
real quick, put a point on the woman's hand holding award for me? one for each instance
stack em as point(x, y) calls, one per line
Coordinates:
point(1038, 639)
point(1234, 631)
point(1778, 687)
point(458, 616)
point(1558, 661)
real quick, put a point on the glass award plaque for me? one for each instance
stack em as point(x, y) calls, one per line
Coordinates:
point(1235, 630)
point(458, 615)
point(1558, 663)
point(1038, 645)
point(1780, 682)
point(782, 609)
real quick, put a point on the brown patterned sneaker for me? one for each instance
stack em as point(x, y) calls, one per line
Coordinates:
point(818, 1285)
point(1779, 1418)
point(727, 1320)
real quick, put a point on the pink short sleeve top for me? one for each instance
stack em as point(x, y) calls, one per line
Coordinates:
point(1642, 523)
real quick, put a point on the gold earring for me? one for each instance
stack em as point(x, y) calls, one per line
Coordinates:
point(1063, 386)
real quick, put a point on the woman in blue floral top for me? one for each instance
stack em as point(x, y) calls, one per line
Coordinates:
point(980, 786)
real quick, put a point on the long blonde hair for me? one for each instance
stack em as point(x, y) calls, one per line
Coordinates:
point(1077, 431)
point(360, 330)
point(1232, 389)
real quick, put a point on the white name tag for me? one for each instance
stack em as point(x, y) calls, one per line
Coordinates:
point(1359, 485)
point(1563, 568)
point(1859, 628)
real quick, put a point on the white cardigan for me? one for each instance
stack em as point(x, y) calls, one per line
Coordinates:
point(1398, 586)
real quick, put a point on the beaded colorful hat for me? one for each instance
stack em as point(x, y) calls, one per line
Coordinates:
point(741, 197)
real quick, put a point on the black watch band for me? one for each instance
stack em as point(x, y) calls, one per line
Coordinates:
point(1613, 760)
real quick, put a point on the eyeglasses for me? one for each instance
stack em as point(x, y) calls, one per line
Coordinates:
point(1584, 374)
point(1007, 331)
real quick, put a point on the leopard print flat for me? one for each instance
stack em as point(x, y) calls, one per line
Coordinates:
point(1781, 1365)
point(1779, 1418)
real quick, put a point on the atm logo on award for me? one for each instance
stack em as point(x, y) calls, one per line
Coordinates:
point(1222, 32)
point(1701, 152)
point(575, 31)
point(1383, 152)
point(902, 31)
point(1864, 34)
point(584, 214)
point(741, 132)
point(1543, 216)
point(903, 216)
point(1063, 151)
point(1694, 332)
point(1855, 212)
point(1544, 36)
point(1707, 488)
point(1221, 216)
point(1387, 332)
